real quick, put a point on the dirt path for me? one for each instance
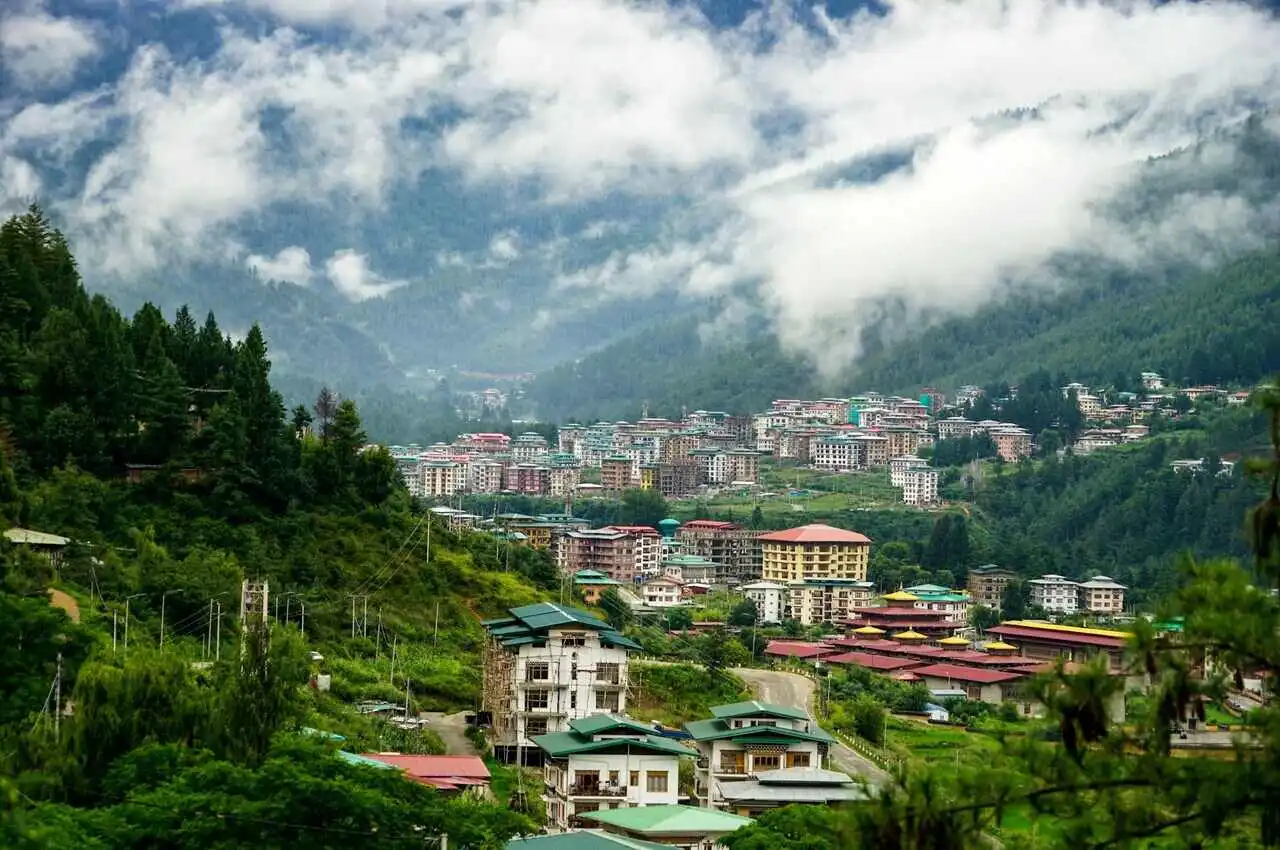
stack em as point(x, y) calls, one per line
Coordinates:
point(452, 729)
point(58, 599)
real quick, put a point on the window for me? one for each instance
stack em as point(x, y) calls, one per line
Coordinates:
point(797, 759)
point(573, 672)
point(537, 671)
point(610, 673)
point(607, 701)
point(613, 777)
point(761, 761)
point(634, 779)
point(534, 700)
point(573, 699)
point(574, 640)
point(535, 726)
point(655, 782)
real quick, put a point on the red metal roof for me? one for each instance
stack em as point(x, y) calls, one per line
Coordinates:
point(642, 530)
point(711, 525)
point(966, 674)
point(1056, 637)
point(872, 662)
point(444, 772)
point(798, 649)
point(815, 533)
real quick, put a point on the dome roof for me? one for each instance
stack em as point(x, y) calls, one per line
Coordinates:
point(910, 634)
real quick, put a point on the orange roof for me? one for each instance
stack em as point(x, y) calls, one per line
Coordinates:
point(815, 533)
point(445, 772)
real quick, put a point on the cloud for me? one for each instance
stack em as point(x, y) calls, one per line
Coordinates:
point(292, 265)
point(38, 49)
point(350, 274)
point(714, 161)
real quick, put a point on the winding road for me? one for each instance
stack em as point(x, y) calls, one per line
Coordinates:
point(796, 691)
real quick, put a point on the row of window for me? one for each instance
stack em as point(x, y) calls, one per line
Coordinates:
point(540, 671)
point(655, 781)
point(541, 700)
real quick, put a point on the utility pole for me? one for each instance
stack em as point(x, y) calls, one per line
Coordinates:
point(394, 642)
point(114, 614)
point(435, 637)
point(304, 617)
point(126, 620)
point(162, 598)
point(364, 619)
point(57, 700)
point(218, 651)
point(406, 699)
point(208, 638)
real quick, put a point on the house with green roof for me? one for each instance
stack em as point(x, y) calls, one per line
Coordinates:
point(746, 739)
point(582, 839)
point(686, 827)
point(606, 761)
point(545, 665)
point(934, 597)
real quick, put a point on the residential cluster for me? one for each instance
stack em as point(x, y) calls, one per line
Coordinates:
point(1054, 594)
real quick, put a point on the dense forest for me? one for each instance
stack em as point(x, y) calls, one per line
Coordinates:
point(161, 450)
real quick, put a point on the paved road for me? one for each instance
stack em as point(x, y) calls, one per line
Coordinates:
point(452, 729)
point(796, 691)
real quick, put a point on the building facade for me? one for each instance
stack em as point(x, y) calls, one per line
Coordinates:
point(1102, 595)
point(738, 549)
point(770, 598)
point(987, 584)
point(814, 551)
point(1055, 594)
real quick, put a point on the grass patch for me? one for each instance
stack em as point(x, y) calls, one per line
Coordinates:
point(677, 693)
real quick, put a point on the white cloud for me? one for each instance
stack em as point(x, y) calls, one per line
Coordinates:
point(504, 247)
point(350, 274)
point(292, 265)
point(38, 49)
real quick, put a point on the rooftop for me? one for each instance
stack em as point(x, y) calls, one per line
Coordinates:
point(444, 772)
point(530, 623)
point(755, 708)
point(34, 538)
point(583, 839)
point(669, 820)
point(966, 674)
point(815, 533)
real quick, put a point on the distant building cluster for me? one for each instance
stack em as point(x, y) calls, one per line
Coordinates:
point(488, 463)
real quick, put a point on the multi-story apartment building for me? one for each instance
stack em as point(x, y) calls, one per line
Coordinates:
point(1089, 404)
point(830, 600)
point(526, 447)
point(814, 551)
point(838, 452)
point(770, 598)
point(615, 473)
point(987, 584)
point(1152, 381)
point(489, 443)
point(1102, 595)
point(565, 476)
point(875, 450)
point(678, 478)
point(746, 739)
point(1055, 594)
point(955, 427)
point(568, 436)
point(546, 665)
point(662, 591)
point(920, 487)
point(736, 548)
point(527, 478)
point(714, 465)
point(744, 465)
point(621, 552)
point(1012, 443)
point(484, 475)
point(968, 394)
point(607, 761)
point(441, 478)
point(900, 466)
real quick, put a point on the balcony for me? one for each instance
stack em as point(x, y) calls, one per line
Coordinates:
point(596, 789)
point(732, 768)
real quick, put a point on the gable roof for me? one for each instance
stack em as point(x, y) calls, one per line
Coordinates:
point(720, 730)
point(583, 839)
point(814, 533)
point(564, 744)
point(755, 708)
point(600, 724)
point(669, 820)
point(28, 537)
point(958, 673)
point(530, 624)
point(444, 772)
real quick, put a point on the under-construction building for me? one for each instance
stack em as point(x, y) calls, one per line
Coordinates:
point(727, 543)
point(544, 666)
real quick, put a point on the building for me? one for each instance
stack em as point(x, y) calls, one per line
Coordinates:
point(1055, 594)
point(774, 789)
point(770, 599)
point(987, 584)
point(441, 478)
point(1152, 381)
point(694, 569)
point(593, 585)
point(746, 739)
point(1102, 595)
point(902, 619)
point(615, 474)
point(544, 666)
point(827, 600)
point(920, 487)
point(1012, 442)
point(953, 604)
point(990, 686)
point(605, 762)
point(51, 546)
point(679, 478)
point(623, 553)
point(662, 592)
point(900, 466)
point(814, 551)
point(582, 839)
point(449, 774)
point(1042, 641)
point(684, 827)
point(738, 549)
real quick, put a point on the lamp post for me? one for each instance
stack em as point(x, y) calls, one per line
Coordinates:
point(162, 599)
point(126, 619)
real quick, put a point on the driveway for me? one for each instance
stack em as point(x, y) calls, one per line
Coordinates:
point(796, 691)
point(452, 729)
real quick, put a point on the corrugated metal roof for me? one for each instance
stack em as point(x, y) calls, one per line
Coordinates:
point(25, 536)
point(755, 708)
point(669, 820)
point(583, 839)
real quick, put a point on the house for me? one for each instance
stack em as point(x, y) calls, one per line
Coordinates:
point(451, 774)
point(774, 789)
point(1102, 595)
point(593, 584)
point(991, 686)
point(605, 761)
point(544, 666)
point(684, 827)
point(814, 551)
point(582, 839)
point(987, 584)
point(1152, 381)
point(748, 738)
point(662, 592)
point(770, 598)
point(1055, 594)
point(51, 546)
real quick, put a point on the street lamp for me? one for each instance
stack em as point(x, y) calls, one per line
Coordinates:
point(162, 597)
point(126, 619)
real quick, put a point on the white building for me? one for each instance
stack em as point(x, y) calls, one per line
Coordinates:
point(1152, 381)
point(607, 762)
point(662, 592)
point(920, 487)
point(746, 739)
point(1102, 595)
point(1055, 594)
point(770, 599)
point(546, 665)
point(900, 466)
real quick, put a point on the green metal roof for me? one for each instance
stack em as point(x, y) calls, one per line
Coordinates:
point(583, 839)
point(599, 724)
point(719, 730)
point(755, 708)
point(562, 744)
point(522, 640)
point(669, 820)
point(615, 639)
point(928, 588)
point(353, 758)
